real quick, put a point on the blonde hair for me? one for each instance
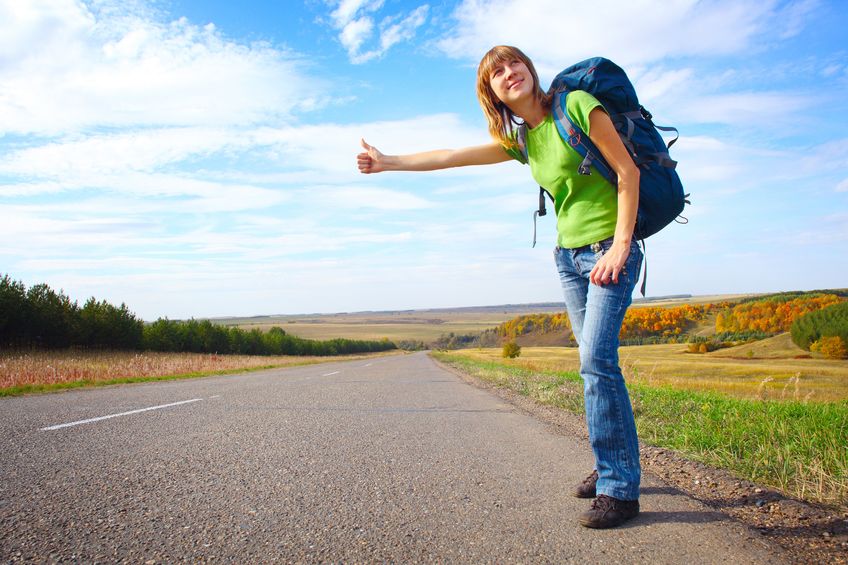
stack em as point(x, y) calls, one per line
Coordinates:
point(500, 118)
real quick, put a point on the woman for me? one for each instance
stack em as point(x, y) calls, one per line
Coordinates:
point(597, 259)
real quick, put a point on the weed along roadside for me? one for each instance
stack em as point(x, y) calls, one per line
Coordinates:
point(44, 371)
point(747, 457)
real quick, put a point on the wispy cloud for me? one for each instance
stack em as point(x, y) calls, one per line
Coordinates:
point(676, 28)
point(355, 21)
point(69, 65)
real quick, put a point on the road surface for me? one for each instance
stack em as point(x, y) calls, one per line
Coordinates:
point(391, 459)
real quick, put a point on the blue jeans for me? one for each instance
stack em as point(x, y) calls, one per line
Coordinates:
point(596, 313)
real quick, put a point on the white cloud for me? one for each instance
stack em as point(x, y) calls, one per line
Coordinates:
point(393, 33)
point(842, 186)
point(553, 31)
point(652, 83)
point(743, 108)
point(792, 17)
point(136, 150)
point(348, 198)
point(356, 28)
point(348, 9)
point(67, 66)
point(355, 33)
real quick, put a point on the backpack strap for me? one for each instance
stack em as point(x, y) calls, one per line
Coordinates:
point(579, 141)
point(644, 267)
point(541, 211)
point(625, 125)
point(521, 141)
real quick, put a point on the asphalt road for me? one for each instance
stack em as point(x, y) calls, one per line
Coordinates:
point(390, 460)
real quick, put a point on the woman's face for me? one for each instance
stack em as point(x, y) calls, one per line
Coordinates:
point(511, 80)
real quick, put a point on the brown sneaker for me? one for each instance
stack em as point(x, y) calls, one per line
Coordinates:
point(609, 512)
point(586, 489)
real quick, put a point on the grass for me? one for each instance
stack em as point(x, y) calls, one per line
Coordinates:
point(771, 372)
point(796, 446)
point(43, 371)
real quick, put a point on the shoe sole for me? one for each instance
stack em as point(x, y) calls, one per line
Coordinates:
point(600, 526)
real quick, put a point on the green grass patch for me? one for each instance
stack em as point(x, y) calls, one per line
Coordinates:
point(797, 447)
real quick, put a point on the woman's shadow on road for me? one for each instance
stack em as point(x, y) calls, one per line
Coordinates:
point(683, 516)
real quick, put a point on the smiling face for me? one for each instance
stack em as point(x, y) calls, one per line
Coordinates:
point(505, 79)
point(511, 80)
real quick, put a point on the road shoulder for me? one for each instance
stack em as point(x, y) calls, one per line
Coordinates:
point(805, 532)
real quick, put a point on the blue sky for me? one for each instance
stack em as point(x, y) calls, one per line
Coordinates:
point(197, 158)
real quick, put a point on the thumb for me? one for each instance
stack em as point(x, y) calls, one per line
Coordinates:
point(364, 145)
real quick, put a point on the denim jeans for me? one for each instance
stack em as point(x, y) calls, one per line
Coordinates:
point(596, 313)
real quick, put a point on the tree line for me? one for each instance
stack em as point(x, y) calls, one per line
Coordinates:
point(41, 317)
point(651, 324)
point(749, 319)
point(773, 314)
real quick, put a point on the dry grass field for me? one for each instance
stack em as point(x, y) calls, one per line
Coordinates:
point(32, 371)
point(416, 325)
point(424, 325)
point(764, 369)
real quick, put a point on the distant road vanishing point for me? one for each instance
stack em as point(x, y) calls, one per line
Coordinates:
point(388, 459)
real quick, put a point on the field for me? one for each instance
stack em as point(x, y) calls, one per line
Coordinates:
point(407, 325)
point(36, 371)
point(424, 325)
point(764, 369)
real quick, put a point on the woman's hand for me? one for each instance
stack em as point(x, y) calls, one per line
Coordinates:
point(610, 265)
point(371, 160)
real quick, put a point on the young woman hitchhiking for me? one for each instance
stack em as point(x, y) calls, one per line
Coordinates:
point(597, 259)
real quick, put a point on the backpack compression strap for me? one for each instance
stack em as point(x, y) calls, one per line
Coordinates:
point(625, 127)
point(521, 140)
point(541, 211)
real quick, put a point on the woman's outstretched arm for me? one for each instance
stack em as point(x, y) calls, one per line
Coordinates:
point(373, 161)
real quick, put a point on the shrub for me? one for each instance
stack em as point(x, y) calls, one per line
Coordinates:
point(832, 347)
point(511, 350)
point(830, 321)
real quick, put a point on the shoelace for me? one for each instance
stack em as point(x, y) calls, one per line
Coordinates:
point(603, 502)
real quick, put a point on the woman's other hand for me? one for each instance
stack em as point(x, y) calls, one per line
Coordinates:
point(370, 160)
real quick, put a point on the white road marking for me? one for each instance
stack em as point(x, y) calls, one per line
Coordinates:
point(215, 396)
point(333, 373)
point(90, 420)
point(369, 364)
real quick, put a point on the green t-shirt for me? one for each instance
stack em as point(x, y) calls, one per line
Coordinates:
point(586, 205)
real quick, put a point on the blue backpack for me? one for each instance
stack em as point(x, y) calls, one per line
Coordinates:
point(661, 197)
